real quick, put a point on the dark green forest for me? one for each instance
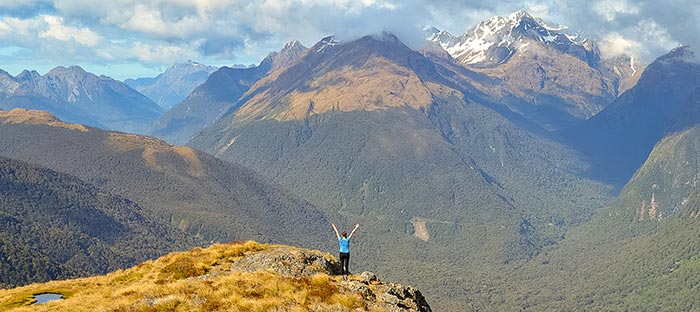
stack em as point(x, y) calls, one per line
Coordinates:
point(56, 226)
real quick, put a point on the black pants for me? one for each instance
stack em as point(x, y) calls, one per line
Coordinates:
point(344, 262)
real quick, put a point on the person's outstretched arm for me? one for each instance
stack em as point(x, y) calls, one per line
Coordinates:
point(353, 230)
point(336, 230)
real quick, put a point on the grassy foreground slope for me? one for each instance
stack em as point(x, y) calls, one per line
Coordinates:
point(221, 277)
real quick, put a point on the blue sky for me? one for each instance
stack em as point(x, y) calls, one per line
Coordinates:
point(140, 38)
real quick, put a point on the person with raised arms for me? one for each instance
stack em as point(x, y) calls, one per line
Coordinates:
point(344, 241)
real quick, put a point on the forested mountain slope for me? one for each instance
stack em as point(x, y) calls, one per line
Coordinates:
point(53, 225)
point(620, 138)
point(641, 252)
point(198, 193)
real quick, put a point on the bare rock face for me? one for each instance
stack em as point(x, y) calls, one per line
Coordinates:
point(289, 262)
point(299, 263)
point(387, 296)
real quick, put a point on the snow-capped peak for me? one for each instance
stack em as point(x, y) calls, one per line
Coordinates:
point(326, 42)
point(495, 40)
point(292, 44)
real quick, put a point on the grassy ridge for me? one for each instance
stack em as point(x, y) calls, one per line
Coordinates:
point(196, 280)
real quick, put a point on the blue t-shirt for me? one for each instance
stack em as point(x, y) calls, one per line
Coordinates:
point(344, 244)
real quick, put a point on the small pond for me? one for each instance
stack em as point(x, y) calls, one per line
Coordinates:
point(44, 298)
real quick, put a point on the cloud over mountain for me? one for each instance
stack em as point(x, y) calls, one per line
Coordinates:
point(162, 32)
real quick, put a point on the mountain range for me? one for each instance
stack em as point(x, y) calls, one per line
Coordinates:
point(195, 192)
point(540, 71)
point(77, 96)
point(379, 133)
point(638, 253)
point(510, 168)
point(218, 95)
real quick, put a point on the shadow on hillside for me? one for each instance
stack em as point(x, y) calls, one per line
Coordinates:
point(616, 152)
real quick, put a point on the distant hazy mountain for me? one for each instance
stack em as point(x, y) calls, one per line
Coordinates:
point(54, 225)
point(198, 193)
point(81, 97)
point(379, 133)
point(219, 95)
point(174, 85)
point(541, 71)
point(620, 138)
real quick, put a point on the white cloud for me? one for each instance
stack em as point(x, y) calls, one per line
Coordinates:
point(56, 29)
point(156, 54)
point(615, 44)
point(150, 21)
point(654, 34)
point(644, 40)
point(15, 29)
point(610, 9)
point(238, 31)
point(539, 9)
point(31, 31)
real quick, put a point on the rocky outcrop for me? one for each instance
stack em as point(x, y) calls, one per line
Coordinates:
point(300, 263)
point(387, 296)
point(289, 262)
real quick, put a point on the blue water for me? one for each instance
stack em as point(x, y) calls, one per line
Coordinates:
point(44, 298)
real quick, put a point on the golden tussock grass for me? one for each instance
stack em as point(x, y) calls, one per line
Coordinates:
point(37, 117)
point(152, 147)
point(196, 280)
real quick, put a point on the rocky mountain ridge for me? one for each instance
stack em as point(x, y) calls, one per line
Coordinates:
point(80, 97)
point(540, 71)
point(493, 42)
point(219, 95)
point(333, 81)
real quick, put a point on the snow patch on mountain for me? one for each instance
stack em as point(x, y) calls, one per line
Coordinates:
point(326, 42)
point(495, 40)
